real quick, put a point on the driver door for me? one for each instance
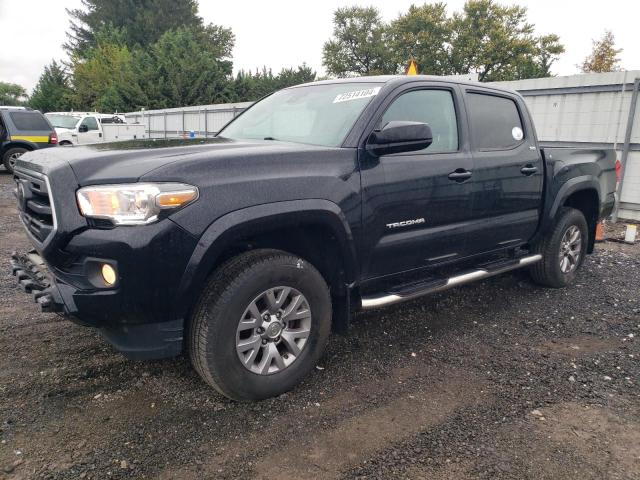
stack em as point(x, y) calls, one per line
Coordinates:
point(92, 135)
point(416, 205)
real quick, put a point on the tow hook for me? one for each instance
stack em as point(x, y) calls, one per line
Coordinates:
point(31, 273)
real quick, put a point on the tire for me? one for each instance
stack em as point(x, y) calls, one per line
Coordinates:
point(556, 269)
point(215, 338)
point(10, 156)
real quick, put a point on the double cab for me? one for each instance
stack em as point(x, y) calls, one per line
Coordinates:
point(246, 250)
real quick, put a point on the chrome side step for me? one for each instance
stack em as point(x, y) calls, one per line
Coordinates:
point(468, 277)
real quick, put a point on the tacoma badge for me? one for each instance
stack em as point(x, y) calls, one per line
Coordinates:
point(406, 223)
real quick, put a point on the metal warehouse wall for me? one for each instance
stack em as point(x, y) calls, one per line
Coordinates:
point(589, 110)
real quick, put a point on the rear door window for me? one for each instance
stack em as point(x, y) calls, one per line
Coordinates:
point(495, 122)
point(26, 121)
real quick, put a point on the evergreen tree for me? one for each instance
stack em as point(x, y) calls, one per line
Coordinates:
point(52, 93)
point(142, 21)
point(107, 80)
point(183, 69)
point(251, 87)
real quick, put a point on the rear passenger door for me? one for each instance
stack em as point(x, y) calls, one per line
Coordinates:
point(507, 171)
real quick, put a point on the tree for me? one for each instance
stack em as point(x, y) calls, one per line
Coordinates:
point(498, 43)
point(603, 57)
point(249, 86)
point(12, 94)
point(359, 44)
point(107, 80)
point(53, 92)
point(549, 49)
point(184, 68)
point(142, 21)
point(486, 38)
point(424, 34)
point(289, 77)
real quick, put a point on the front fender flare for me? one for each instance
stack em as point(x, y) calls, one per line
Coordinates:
point(222, 232)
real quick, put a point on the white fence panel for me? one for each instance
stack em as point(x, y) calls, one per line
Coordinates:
point(199, 121)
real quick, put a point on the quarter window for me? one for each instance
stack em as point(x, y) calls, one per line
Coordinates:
point(495, 122)
point(433, 107)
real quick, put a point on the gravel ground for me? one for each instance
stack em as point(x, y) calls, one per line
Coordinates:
point(499, 379)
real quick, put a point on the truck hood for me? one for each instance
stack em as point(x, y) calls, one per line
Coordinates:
point(121, 162)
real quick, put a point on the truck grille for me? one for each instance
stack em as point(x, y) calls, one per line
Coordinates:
point(35, 205)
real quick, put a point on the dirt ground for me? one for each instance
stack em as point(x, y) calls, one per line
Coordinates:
point(496, 380)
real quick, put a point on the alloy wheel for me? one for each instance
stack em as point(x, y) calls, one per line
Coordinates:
point(13, 158)
point(570, 249)
point(273, 330)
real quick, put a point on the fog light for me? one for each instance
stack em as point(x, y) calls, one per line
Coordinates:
point(108, 274)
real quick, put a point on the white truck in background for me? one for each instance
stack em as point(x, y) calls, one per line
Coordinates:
point(84, 128)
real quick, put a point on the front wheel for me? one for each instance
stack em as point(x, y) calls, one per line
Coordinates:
point(260, 325)
point(563, 250)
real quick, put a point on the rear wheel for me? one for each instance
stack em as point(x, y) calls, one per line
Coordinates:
point(11, 156)
point(260, 325)
point(563, 250)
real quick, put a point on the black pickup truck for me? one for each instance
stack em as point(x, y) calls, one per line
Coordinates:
point(245, 250)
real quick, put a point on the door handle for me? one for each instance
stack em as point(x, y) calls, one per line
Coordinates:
point(528, 169)
point(460, 175)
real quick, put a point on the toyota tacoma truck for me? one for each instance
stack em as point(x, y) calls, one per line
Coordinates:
point(247, 250)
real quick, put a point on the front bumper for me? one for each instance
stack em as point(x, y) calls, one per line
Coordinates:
point(137, 342)
point(137, 315)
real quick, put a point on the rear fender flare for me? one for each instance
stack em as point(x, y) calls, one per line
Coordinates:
point(573, 185)
point(223, 232)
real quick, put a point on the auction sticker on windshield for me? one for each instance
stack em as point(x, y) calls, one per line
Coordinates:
point(345, 97)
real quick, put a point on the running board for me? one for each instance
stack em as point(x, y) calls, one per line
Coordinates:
point(468, 277)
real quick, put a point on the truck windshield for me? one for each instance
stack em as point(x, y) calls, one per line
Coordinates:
point(315, 114)
point(63, 121)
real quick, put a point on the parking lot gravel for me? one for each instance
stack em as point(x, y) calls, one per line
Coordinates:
point(499, 379)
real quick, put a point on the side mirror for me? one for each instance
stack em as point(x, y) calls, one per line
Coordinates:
point(83, 128)
point(399, 137)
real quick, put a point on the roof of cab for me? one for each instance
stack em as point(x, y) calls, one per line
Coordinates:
point(400, 79)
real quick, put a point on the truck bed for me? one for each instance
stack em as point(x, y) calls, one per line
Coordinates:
point(567, 166)
point(113, 132)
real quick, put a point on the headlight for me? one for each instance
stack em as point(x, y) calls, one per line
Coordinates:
point(133, 204)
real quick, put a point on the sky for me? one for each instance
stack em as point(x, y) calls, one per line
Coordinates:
point(285, 33)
